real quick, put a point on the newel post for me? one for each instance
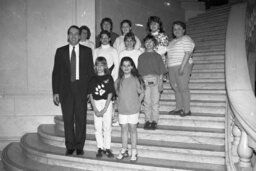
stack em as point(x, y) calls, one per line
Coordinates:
point(244, 152)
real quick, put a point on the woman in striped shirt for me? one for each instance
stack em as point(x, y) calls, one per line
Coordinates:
point(180, 63)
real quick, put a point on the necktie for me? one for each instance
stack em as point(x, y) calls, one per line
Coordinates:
point(73, 65)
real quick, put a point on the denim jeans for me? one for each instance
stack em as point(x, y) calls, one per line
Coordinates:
point(179, 83)
point(151, 100)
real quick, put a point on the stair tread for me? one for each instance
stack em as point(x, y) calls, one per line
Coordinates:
point(32, 144)
point(171, 121)
point(16, 159)
point(58, 136)
point(151, 135)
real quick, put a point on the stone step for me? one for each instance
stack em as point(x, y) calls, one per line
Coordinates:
point(218, 9)
point(54, 136)
point(207, 70)
point(209, 20)
point(203, 85)
point(210, 38)
point(212, 110)
point(14, 159)
point(193, 85)
point(196, 98)
point(148, 138)
point(205, 30)
point(214, 15)
point(208, 80)
point(199, 24)
point(195, 91)
point(210, 42)
point(169, 123)
point(205, 52)
point(210, 47)
point(200, 84)
point(209, 66)
point(194, 103)
point(208, 60)
point(207, 74)
point(202, 57)
point(192, 30)
point(34, 148)
point(207, 33)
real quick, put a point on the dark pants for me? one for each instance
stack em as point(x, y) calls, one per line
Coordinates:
point(74, 114)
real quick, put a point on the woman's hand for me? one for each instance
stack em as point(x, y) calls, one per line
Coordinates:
point(181, 70)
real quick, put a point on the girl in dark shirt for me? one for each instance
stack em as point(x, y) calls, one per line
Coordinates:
point(101, 91)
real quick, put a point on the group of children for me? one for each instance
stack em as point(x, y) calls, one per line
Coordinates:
point(128, 77)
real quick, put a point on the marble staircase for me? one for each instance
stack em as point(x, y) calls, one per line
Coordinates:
point(194, 142)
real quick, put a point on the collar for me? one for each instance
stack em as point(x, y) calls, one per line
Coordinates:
point(76, 46)
point(105, 46)
point(155, 33)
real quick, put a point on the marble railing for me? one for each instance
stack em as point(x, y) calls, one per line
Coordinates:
point(241, 109)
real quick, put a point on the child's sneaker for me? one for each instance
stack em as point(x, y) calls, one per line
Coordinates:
point(123, 153)
point(134, 155)
point(115, 122)
point(147, 125)
point(108, 153)
point(99, 154)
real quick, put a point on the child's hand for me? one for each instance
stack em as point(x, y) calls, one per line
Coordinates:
point(97, 113)
point(101, 113)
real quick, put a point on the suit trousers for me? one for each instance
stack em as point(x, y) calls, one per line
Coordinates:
point(179, 83)
point(102, 125)
point(74, 111)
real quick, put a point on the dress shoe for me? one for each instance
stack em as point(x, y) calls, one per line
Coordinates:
point(69, 152)
point(175, 112)
point(185, 114)
point(79, 152)
point(153, 125)
point(108, 153)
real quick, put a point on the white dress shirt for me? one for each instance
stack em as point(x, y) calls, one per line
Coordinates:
point(77, 58)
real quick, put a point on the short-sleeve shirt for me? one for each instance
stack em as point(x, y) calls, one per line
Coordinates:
point(177, 48)
point(101, 86)
point(128, 101)
point(151, 63)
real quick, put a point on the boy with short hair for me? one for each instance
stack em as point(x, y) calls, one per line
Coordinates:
point(151, 68)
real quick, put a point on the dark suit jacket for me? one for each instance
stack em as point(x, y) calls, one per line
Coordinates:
point(61, 83)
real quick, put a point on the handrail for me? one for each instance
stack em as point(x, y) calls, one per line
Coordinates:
point(239, 90)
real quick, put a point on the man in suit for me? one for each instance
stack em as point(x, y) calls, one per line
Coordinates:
point(73, 68)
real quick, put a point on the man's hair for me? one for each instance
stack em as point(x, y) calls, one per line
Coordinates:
point(74, 26)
